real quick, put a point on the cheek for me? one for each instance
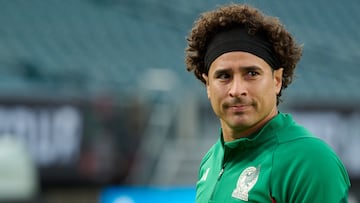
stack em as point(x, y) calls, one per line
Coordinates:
point(216, 95)
point(216, 92)
point(265, 92)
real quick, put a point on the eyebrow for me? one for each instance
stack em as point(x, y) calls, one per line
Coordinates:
point(254, 67)
point(243, 69)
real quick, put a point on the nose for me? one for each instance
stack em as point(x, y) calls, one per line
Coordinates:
point(237, 88)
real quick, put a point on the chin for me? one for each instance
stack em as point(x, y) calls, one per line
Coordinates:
point(240, 124)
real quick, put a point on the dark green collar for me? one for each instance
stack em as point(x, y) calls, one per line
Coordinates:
point(263, 135)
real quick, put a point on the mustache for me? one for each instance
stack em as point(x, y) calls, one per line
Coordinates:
point(238, 102)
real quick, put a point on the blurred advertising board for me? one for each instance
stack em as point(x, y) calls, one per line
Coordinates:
point(123, 194)
point(52, 133)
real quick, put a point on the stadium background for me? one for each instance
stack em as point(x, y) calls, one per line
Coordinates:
point(97, 92)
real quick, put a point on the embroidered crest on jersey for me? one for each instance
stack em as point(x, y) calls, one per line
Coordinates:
point(246, 182)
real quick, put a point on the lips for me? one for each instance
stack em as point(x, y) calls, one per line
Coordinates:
point(239, 107)
point(238, 104)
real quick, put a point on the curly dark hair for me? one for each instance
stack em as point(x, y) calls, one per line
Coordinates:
point(286, 50)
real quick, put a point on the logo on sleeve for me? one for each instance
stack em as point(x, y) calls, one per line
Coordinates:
point(245, 183)
point(205, 175)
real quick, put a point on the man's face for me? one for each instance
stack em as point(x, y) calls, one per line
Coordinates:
point(242, 89)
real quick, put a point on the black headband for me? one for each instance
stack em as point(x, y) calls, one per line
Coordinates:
point(237, 39)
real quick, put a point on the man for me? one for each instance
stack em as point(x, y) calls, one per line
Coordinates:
point(245, 59)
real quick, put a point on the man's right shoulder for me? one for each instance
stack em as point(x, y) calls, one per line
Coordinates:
point(213, 151)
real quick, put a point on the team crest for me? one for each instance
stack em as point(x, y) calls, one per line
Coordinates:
point(245, 183)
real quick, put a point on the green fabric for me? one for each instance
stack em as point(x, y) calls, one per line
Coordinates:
point(283, 161)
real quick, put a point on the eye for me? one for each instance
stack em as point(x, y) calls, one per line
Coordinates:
point(252, 73)
point(223, 76)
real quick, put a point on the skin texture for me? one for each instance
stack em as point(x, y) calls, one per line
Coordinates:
point(242, 89)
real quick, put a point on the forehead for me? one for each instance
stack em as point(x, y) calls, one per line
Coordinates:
point(238, 59)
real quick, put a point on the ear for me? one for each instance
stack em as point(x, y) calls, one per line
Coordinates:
point(206, 78)
point(278, 75)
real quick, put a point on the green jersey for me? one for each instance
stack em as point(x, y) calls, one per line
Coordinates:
point(282, 163)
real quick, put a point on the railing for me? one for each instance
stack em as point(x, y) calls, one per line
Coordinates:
point(154, 140)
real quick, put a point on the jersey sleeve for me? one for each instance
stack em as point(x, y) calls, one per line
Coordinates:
point(308, 170)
